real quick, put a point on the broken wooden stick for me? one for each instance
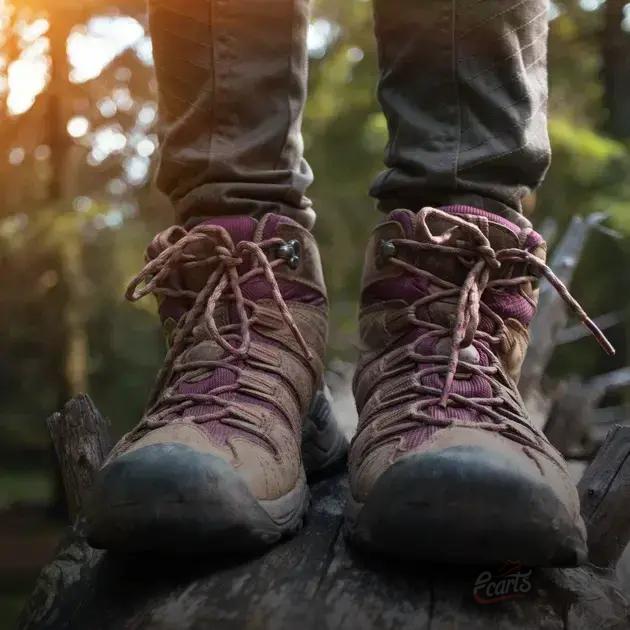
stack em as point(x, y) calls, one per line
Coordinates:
point(552, 317)
point(605, 496)
point(571, 427)
point(82, 440)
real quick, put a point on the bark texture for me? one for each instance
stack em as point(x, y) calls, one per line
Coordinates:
point(314, 581)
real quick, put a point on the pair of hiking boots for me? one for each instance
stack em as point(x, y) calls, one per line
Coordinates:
point(445, 465)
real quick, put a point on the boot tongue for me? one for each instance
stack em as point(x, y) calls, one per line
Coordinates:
point(194, 278)
point(240, 228)
point(501, 234)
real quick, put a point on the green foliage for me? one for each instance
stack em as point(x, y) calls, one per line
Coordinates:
point(587, 152)
point(587, 173)
point(33, 486)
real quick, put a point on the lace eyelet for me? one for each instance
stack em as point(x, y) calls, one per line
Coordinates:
point(384, 251)
point(291, 252)
point(388, 249)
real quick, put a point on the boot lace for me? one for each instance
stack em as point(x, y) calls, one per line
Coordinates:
point(471, 246)
point(224, 286)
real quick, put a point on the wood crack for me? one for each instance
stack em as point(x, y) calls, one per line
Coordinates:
point(330, 555)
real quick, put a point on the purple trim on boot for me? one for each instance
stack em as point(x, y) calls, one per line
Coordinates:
point(241, 228)
point(406, 288)
point(478, 212)
point(406, 219)
point(533, 238)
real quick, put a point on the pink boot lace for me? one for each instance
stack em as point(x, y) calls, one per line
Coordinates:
point(198, 324)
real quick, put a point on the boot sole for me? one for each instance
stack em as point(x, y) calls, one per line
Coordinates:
point(464, 506)
point(169, 497)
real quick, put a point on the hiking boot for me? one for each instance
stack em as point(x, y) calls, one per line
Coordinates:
point(445, 465)
point(215, 463)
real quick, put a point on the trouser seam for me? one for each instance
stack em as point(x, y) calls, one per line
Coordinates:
point(457, 94)
point(213, 81)
point(537, 111)
point(511, 31)
point(532, 44)
point(493, 17)
point(392, 130)
point(290, 59)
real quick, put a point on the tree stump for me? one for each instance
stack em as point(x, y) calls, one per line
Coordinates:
point(314, 581)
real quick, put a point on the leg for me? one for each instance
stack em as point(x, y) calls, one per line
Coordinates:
point(232, 83)
point(446, 464)
point(216, 463)
point(464, 90)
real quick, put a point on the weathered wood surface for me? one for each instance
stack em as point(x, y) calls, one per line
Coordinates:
point(311, 582)
point(572, 427)
point(82, 439)
point(605, 498)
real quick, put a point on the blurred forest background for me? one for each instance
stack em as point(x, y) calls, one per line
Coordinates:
point(78, 142)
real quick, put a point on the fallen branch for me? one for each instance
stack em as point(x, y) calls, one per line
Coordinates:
point(82, 439)
point(572, 425)
point(552, 317)
point(605, 495)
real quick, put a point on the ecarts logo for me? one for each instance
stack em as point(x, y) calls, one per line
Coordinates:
point(509, 582)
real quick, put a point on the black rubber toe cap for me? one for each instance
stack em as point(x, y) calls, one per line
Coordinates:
point(171, 497)
point(469, 505)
